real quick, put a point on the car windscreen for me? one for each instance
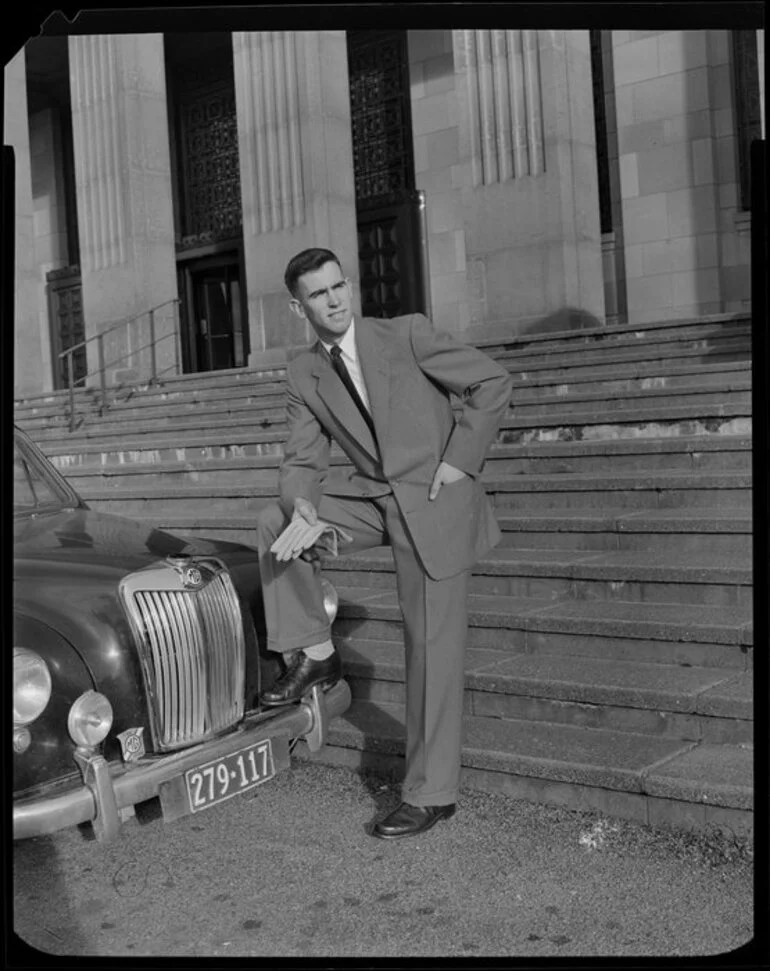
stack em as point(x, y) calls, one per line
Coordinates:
point(31, 490)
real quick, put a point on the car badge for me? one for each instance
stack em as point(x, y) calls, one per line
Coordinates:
point(132, 744)
point(192, 578)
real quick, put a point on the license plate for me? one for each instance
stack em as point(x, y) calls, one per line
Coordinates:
point(219, 780)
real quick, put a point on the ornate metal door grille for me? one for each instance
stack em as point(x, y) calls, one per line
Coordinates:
point(383, 167)
point(209, 156)
point(381, 118)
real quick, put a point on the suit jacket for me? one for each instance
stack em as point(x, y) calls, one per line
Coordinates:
point(410, 370)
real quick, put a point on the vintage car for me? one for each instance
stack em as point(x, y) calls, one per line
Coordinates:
point(136, 666)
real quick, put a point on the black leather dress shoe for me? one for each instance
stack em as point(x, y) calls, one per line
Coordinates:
point(302, 674)
point(408, 820)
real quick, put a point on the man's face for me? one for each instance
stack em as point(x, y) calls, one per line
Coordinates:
point(324, 300)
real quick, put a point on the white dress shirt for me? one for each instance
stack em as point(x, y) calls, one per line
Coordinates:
point(350, 356)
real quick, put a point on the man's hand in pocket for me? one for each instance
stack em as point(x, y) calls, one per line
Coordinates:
point(445, 474)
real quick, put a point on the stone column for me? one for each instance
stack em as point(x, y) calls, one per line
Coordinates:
point(32, 343)
point(123, 184)
point(529, 180)
point(761, 71)
point(296, 162)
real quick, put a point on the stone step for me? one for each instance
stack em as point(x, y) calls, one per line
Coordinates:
point(710, 531)
point(182, 418)
point(703, 326)
point(524, 403)
point(604, 364)
point(581, 632)
point(631, 491)
point(736, 393)
point(625, 379)
point(247, 399)
point(658, 632)
point(657, 781)
point(202, 380)
point(260, 391)
point(623, 577)
point(554, 419)
point(624, 491)
point(645, 422)
point(633, 377)
point(712, 705)
point(715, 531)
point(238, 456)
point(695, 336)
point(658, 344)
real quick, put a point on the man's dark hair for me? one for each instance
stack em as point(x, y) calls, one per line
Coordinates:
point(306, 262)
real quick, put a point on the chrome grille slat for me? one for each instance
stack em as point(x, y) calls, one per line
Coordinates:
point(159, 657)
point(175, 635)
point(193, 651)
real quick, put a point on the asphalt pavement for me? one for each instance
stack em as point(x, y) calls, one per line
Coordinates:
point(289, 870)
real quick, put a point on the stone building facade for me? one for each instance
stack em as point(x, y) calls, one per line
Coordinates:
point(499, 180)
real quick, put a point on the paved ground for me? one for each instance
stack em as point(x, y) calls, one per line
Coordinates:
point(289, 870)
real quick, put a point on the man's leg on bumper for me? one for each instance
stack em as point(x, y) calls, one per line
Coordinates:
point(293, 599)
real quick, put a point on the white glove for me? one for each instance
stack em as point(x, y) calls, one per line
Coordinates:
point(307, 533)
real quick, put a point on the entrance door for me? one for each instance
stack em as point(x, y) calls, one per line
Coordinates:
point(65, 303)
point(215, 332)
point(390, 256)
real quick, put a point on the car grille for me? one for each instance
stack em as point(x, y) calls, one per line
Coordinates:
point(192, 651)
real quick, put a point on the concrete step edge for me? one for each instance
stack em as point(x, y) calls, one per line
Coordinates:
point(624, 566)
point(712, 522)
point(586, 756)
point(729, 442)
point(717, 321)
point(600, 682)
point(600, 341)
point(602, 618)
point(562, 482)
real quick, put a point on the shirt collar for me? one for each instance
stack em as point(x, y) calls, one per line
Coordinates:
point(348, 343)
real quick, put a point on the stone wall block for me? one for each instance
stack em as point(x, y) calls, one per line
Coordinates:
point(681, 50)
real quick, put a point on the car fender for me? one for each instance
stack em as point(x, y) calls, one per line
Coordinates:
point(50, 753)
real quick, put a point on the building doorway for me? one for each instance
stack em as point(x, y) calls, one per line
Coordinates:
point(388, 214)
point(214, 335)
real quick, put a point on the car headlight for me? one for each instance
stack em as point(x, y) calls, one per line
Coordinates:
point(90, 719)
point(31, 685)
point(331, 600)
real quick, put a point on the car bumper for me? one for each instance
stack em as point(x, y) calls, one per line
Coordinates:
point(106, 792)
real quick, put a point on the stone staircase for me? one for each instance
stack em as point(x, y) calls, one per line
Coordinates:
point(610, 656)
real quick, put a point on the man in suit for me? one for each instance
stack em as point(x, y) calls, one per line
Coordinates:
point(381, 389)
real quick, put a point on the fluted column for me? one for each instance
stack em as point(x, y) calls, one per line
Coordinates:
point(296, 163)
point(123, 185)
point(32, 344)
point(501, 74)
point(529, 178)
point(761, 72)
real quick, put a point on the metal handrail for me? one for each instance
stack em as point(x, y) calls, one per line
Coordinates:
point(101, 369)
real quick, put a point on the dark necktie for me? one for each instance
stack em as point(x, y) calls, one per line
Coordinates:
point(339, 366)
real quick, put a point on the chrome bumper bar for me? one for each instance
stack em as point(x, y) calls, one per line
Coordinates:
point(104, 793)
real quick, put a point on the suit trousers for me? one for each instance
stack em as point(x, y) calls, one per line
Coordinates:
point(435, 615)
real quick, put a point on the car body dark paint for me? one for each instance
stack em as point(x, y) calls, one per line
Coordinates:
point(50, 753)
point(67, 569)
point(68, 563)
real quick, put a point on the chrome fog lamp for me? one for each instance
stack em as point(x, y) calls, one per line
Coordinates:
point(31, 685)
point(90, 719)
point(331, 600)
point(22, 739)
